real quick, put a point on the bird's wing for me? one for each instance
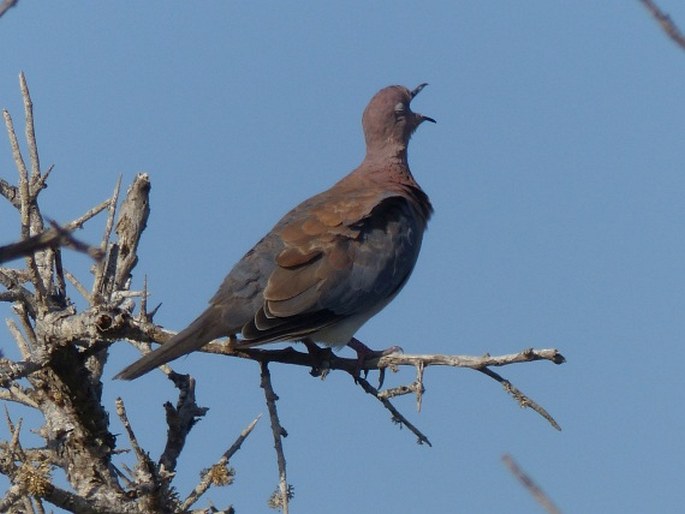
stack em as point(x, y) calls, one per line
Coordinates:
point(341, 257)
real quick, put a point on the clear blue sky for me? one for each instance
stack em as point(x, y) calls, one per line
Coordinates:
point(556, 172)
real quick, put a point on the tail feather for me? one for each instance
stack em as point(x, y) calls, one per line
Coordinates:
point(201, 331)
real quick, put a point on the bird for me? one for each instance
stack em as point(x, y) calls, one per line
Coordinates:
point(333, 261)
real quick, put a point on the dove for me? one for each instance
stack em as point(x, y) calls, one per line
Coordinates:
point(332, 262)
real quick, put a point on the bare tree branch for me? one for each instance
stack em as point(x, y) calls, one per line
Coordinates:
point(78, 222)
point(52, 238)
point(26, 205)
point(219, 473)
point(59, 381)
point(290, 356)
point(106, 267)
point(397, 417)
point(280, 499)
point(180, 419)
point(150, 486)
point(669, 26)
point(30, 129)
point(133, 216)
point(522, 399)
point(6, 5)
point(530, 485)
point(10, 192)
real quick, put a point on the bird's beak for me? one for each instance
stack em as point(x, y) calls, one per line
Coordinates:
point(418, 89)
point(415, 92)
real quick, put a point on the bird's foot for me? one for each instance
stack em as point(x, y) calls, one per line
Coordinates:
point(321, 358)
point(365, 353)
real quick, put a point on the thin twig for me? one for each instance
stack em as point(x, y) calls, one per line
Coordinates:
point(52, 238)
point(6, 5)
point(59, 271)
point(522, 399)
point(15, 443)
point(530, 485)
point(44, 260)
point(278, 434)
point(39, 184)
point(397, 417)
point(15, 394)
point(30, 129)
point(141, 456)
point(22, 311)
point(79, 287)
point(71, 242)
point(21, 167)
point(400, 390)
point(419, 386)
point(143, 302)
point(15, 453)
point(215, 474)
point(91, 213)
point(107, 264)
point(468, 361)
point(669, 26)
point(26, 203)
point(22, 343)
point(146, 476)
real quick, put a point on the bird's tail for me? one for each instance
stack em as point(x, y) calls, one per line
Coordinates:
point(201, 331)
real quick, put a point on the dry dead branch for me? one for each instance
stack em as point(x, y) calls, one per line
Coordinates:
point(529, 484)
point(667, 24)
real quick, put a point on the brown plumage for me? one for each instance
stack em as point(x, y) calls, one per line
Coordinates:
point(333, 261)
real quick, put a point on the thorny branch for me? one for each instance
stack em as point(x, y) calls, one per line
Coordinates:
point(280, 498)
point(420, 362)
point(180, 419)
point(64, 351)
point(62, 361)
point(521, 398)
point(219, 473)
point(397, 417)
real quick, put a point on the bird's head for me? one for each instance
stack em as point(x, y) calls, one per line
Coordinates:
point(389, 122)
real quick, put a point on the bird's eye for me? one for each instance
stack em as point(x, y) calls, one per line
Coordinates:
point(400, 112)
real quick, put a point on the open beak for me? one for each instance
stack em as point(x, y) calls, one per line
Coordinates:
point(418, 89)
point(415, 92)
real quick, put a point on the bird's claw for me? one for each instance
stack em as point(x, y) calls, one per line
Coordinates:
point(365, 353)
point(321, 359)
